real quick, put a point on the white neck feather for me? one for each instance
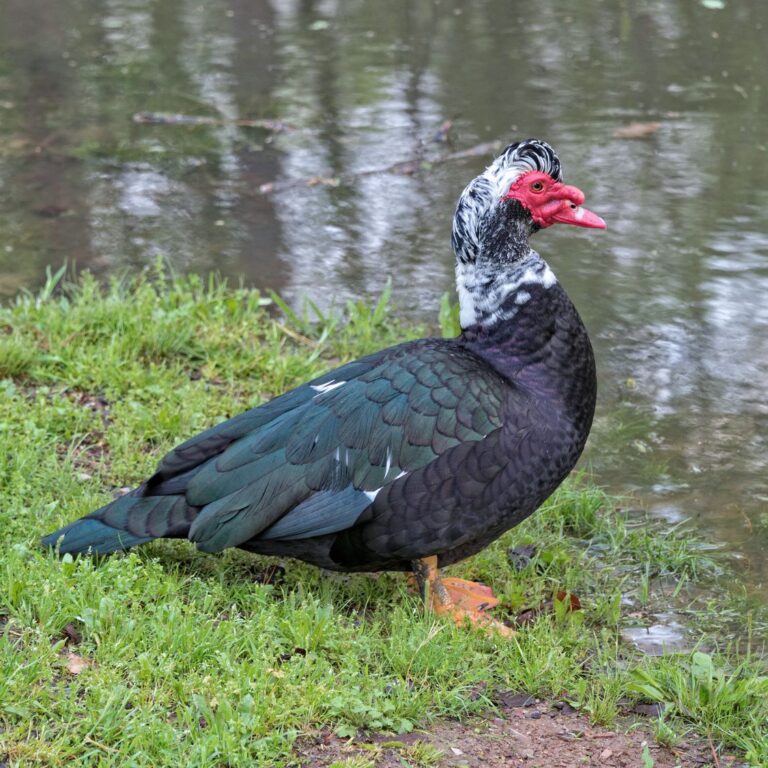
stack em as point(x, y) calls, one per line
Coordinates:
point(491, 293)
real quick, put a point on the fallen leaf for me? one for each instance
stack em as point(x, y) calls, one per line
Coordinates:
point(574, 602)
point(527, 616)
point(636, 131)
point(443, 132)
point(71, 635)
point(76, 664)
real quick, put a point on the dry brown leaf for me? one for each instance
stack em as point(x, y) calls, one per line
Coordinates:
point(443, 132)
point(71, 635)
point(636, 131)
point(77, 664)
point(574, 604)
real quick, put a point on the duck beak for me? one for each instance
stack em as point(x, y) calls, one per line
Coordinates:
point(570, 211)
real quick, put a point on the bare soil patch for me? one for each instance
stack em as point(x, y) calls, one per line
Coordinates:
point(540, 735)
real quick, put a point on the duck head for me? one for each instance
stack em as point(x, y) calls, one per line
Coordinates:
point(522, 191)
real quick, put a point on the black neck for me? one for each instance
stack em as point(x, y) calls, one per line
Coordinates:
point(544, 347)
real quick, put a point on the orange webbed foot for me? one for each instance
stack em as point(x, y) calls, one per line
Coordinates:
point(462, 600)
point(470, 595)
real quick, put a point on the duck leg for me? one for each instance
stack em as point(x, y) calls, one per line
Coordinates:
point(462, 600)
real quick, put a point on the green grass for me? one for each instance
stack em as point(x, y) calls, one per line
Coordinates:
point(202, 660)
point(721, 700)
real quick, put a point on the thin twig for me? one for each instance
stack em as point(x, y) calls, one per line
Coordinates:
point(98, 744)
point(402, 167)
point(296, 335)
point(167, 118)
point(714, 753)
point(747, 521)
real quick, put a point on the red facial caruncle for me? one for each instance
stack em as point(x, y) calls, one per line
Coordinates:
point(551, 202)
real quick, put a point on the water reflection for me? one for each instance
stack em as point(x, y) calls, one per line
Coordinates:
point(673, 292)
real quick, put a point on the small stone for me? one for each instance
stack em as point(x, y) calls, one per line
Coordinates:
point(456, 751)
point(606, 753)
point(511, 699)
point(649, 710)
point(520, 557)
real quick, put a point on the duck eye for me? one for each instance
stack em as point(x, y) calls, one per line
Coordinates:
point(537, 186)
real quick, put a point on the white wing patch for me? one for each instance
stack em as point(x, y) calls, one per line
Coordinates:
point(373, 494)
point(327, 386)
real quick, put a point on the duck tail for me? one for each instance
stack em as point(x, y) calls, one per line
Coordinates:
point(124, 523)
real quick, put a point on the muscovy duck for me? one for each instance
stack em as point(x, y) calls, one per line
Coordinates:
point(416, 456)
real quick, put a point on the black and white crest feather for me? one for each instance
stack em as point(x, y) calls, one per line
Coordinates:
point(480, 194)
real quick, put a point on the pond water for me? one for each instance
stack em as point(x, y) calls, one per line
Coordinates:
point(674, 293)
